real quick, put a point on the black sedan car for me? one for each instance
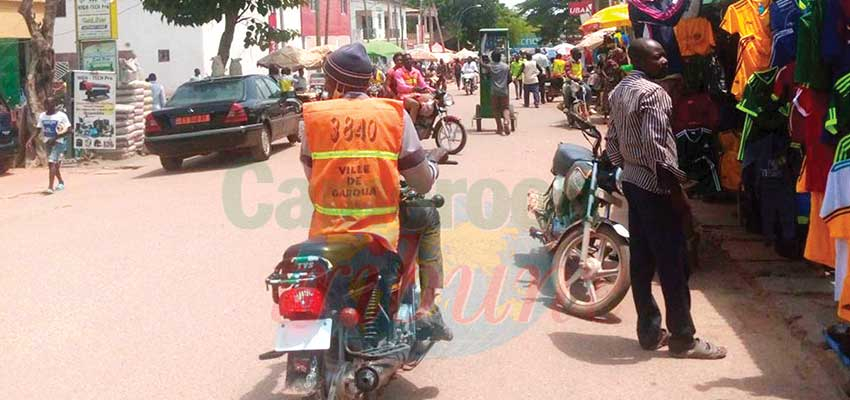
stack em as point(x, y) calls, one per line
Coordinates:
point(8, 139)
point(227, 113)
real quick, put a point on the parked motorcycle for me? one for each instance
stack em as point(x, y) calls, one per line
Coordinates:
point(470, 82)
point(435, 121)
point(347, 327)
point(590, 266)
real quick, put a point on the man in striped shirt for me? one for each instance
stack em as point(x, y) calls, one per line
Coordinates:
point(640, 140)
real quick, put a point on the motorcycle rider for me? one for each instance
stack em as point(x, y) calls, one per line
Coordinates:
point(470, 68)
point(575, 72)
point(411, 87)
point(372, 141)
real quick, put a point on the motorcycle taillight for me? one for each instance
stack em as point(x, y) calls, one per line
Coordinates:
point(301, 303)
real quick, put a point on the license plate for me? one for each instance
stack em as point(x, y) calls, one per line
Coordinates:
point(304, 335)
point(192, 119)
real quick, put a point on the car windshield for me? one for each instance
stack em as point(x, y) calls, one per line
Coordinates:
point(208, 92)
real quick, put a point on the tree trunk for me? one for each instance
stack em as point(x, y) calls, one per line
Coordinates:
point(39, 86)
point(230, 21)
point(327, 20)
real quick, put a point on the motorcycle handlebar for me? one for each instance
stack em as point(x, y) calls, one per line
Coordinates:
point(436, 201)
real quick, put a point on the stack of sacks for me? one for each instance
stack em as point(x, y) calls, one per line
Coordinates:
point(132, 101)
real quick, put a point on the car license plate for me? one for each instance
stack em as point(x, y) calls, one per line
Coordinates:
point(192, 119)
point(303, 335)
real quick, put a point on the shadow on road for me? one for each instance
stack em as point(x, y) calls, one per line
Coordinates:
point(215, 161)
point(402, 389)
point(266, 389)
point(601, 349)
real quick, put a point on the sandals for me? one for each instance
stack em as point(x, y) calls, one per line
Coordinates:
point(702, 350)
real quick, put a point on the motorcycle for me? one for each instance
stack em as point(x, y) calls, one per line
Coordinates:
point(554, 87)
point(347, 329)
point(434, 121)
point(470, 82)
point(590, 265)
point(574, 101)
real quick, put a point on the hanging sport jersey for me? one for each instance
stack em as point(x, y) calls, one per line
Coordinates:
point(784, 48)
point(655, 19)
point(836, 205)
point(744, 17)
point(835, 39)
point(763, 115)
point(698, 158)
point(838, 117)
point(820, 246)
point(783, 14)
point(730, 167)
point(695, 111)
point(695, 37)
point(811, 70)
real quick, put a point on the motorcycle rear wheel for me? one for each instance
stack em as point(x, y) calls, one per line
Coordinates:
point(450, 135)
point(576, 298)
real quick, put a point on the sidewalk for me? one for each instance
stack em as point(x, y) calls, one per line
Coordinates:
point(797, 291)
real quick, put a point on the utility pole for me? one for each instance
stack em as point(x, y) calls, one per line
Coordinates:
point(439, 27)
point(419, 32)
point(318, 23)
point(327, 19)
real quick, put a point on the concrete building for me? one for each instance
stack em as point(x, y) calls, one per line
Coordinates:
point(379, 20)
point(334, 22)
point(169, 51)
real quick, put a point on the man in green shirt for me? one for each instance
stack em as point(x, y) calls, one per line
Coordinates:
point(516, 75)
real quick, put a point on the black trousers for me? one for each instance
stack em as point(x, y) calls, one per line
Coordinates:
point(657, 244)
point(542, 82)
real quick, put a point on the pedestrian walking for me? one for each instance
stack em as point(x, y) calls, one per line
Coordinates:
point(158, 92)
point(543, 62)
point(500, 79)
point(640, 140)
point(530, 81)
point(516, 75)
point(53, 126)
point(457, 68)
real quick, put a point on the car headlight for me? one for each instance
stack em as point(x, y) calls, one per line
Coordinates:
point(449, 100)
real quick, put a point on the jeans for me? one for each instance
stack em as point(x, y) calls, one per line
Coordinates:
point(658, 245)
point(533, 88)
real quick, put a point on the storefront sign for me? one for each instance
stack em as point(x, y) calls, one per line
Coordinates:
point(94, 110)
point(528, 41)
point(96, 19)
point(99, 56)
point(581, 7)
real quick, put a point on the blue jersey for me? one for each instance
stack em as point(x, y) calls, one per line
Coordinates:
point(835, 38)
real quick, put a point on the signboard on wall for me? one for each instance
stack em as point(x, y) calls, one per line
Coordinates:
point(580, 7)
point(99, 56)
point(96, 19)
point(94, 110)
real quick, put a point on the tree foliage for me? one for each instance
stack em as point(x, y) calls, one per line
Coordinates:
point(462, 19)
point(232, 12)
point(553, 18)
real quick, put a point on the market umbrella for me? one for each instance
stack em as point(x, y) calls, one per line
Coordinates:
point(609, 17)
point(422, 55)
point(563, 48)
point(381, 48)
point(595, 39)
point(286, 56)
point(464, 54)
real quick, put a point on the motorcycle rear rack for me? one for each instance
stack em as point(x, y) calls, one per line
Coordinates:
point(378, 353)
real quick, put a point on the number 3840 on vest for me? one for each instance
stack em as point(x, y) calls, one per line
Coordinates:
point(351, 129)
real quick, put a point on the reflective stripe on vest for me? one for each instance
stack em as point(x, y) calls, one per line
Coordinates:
point(355, 212)
point(328, 155)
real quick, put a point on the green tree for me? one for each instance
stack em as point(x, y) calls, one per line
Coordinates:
point(232, 12)
point(463, 18)
point(518, 27)
point(553, 18)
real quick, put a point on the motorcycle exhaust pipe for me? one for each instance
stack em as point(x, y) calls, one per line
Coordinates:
point(374, 375)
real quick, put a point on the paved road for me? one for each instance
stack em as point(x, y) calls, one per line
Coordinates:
point(137, 284)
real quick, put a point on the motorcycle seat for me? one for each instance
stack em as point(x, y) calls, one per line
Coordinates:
point(345, 249)
point(566, 155)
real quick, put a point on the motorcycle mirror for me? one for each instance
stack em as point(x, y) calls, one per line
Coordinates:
point(438, 201)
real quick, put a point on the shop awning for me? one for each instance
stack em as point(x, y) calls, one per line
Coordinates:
point(610, 17)
point(13, 26)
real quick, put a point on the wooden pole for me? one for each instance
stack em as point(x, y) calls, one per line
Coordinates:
point(439, 27)
point(327, 19)
point(318, 23)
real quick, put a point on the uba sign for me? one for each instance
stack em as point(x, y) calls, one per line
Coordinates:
point(581, 7)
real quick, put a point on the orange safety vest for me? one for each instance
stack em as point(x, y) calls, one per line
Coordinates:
point(355, 145)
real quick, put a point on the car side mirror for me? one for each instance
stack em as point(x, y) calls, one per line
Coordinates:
point(291, 105)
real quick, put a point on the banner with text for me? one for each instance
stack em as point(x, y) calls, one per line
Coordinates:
point(94, 110)
point(580, 7)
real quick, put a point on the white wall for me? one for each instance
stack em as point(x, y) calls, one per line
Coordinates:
point(190, 48)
